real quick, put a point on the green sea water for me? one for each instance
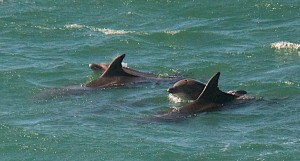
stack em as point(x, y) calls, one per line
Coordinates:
point(49, 44)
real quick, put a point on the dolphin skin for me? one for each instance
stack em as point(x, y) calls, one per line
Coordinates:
point(102, 67)
point(116, 75)
point(190, 89)
point(211, 98)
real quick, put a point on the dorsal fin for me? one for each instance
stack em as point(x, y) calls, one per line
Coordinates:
point(115, 68)
point(212, 92)
point(210, 88)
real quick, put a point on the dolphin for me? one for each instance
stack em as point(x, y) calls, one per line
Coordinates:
point(190, 89)
point(211, 98)
point(116, 75)
point(99, 67)
point(102, 67)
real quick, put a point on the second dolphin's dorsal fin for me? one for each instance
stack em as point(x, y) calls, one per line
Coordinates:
point(211, 87)
point(115, 68)
point(212, 92)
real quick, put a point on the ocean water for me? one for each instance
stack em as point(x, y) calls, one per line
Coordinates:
point(49, 44)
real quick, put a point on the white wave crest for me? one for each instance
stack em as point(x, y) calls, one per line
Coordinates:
point(172, 32)
point(285, 45)
point(74, 26)
point(105, 31)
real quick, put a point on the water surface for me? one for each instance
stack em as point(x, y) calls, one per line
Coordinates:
point(49, 44)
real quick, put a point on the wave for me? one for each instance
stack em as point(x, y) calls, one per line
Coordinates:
point(172, 32)
point(108, 31)
point(285, 45)
point(74, 26)
point(105, 31)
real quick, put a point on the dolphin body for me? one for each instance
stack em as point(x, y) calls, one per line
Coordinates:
point(210, 99)
point(102, 67)
point(190, 89)
point(116, 75)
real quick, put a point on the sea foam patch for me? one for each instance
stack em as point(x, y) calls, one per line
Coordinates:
point(285, 45)
point(108, 31)
point(172, 32)
point(74, 26)
point(105, 31)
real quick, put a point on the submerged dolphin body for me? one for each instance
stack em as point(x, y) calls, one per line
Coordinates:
point(191, 89)
point(211, 98)
point(116, 75)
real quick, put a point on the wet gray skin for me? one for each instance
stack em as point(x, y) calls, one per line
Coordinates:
point(117, 75)
point(102, 67)
point(210, 98)
point(187, 89)
point(190, 89)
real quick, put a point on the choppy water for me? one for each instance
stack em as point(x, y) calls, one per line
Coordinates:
point(47, 44)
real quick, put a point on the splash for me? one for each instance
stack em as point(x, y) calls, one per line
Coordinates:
point(285, 45)
point(124, 65)
point(175, 99)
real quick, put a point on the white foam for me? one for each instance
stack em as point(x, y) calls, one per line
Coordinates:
point(74, 26)
point(172, 32)
point(174, 99)
point(107, 31)
point(124, 65)
point(288, 83)
point(43, 28)
point(285, 45)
